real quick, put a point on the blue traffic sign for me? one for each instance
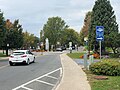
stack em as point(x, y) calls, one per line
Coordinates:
point(99, 33)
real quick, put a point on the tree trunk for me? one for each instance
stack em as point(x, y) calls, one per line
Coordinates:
point(7, 51)
point(114, 49)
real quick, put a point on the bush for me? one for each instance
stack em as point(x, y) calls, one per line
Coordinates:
point(106, 67)
point(112, 55)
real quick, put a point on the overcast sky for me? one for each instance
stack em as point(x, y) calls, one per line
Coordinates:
point(33, 14)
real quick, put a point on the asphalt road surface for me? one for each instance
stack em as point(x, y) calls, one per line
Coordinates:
point(41, 75)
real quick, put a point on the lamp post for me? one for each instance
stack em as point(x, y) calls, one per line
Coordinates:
point(86, 41)
point(7, 49)
point(85, 55)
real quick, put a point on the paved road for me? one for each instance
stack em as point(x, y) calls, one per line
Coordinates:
point(3, 63)
point(42, 75)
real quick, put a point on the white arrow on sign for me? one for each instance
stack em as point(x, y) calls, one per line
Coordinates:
point(100, 30)
point(100, 38)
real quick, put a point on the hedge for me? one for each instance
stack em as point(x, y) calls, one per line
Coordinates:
point(106, 67)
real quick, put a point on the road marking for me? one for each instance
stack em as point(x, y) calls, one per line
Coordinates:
point(4, 66)
point(61, 72)
point(58, 82)
point(45, 82)
point(23, 85)
point(27, 88)
point(52, 77)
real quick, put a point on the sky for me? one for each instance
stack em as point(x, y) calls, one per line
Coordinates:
point(33, 14)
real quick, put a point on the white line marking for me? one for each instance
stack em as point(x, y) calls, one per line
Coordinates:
point(58, 82)
point(45, 82)
point(26, 88)
point(61, 72)
point(23, 85)
point(52, 77)
point(4, 66)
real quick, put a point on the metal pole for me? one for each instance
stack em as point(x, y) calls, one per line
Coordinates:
point(100, 50)
point(85, 61)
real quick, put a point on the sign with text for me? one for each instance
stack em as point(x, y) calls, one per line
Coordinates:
point(99, 33)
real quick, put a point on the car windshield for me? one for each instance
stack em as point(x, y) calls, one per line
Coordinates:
point(18, 53)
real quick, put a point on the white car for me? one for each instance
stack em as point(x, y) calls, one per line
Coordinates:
point(21, 56)
point(59, 49)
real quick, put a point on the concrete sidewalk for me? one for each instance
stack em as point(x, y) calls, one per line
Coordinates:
point(73, 76)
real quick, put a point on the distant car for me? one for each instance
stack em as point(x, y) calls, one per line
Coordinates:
point(63, 48)
point(21, 56)
point(59, 49)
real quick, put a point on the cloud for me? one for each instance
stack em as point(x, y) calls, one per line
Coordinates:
point(33, 14)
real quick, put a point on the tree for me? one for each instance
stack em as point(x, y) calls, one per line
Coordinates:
point(103, 15)
point(70, 35)
point(42, 38)
point(84, 31)
point(13, 36)
point(30, 40)
point(53, 29)
point(115, 42)
point(2, 29)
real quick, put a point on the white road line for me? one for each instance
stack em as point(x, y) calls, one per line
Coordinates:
point(26, 88)
point(4, 66)
point(23, 85)
point(45, 82)
point(61, 72)
point(52, 77)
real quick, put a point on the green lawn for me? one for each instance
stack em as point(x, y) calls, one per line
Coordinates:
point(113, 82)
point(2, 55)
point(75, 55)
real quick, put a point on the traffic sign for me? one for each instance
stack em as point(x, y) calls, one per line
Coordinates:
point(99, 33)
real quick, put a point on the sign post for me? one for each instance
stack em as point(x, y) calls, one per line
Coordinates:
point(100, 50)
point(100, 35)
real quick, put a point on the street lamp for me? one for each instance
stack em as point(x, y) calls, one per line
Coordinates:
point(7, 49)
point(86, 40)
point(7, 45)
point(85, 55)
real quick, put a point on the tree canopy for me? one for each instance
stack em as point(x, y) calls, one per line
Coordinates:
point(85, 29)
point(2, 29)
point(70, 35)
point(30, 41)
point(103, 15)
point(53, 29)
point(13, 35)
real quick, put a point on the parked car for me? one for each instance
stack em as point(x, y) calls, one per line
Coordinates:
point(59, 49)
point(21, 56)
point(63, 48)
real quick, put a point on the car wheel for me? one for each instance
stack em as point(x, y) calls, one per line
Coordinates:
point(11, 64)
point(28, 62)
point(34, 60)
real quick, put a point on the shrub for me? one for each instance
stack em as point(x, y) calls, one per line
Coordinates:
point(114, 55)
point(106, 67)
